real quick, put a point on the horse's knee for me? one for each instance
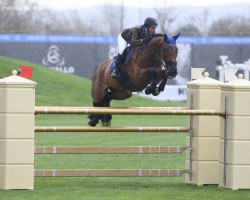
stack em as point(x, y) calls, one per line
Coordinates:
point(152, 72)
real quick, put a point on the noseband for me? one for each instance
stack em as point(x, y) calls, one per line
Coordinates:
point(167, 63)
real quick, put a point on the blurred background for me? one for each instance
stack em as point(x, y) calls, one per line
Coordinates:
point(75, 36)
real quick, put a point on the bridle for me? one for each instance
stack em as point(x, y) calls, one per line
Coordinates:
point(163, 61)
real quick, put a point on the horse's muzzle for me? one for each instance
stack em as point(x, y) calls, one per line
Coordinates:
point(171, 69)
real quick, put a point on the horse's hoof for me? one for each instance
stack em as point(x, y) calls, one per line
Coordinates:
point(106, 120)
point(156, 92)
point(93, 123)
point(148, 91)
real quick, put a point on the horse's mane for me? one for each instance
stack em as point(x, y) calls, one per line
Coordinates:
point(157, 35)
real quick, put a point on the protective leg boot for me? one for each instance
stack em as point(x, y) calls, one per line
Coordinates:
point(114, 74)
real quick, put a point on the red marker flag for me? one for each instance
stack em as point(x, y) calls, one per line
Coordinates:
point(26, 72)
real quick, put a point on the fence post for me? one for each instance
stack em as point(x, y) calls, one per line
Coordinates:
point(17, 103)
point(205, 132)
point(236, 150)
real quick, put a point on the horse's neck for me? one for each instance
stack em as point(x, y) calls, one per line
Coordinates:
point(151, 51)
point(155, 44)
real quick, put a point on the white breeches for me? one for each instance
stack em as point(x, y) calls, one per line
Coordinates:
point(122, 44)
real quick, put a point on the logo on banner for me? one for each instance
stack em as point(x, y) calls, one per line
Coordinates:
point(54, 60)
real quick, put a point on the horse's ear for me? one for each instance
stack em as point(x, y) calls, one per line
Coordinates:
point(165, 38)
point(176, 36)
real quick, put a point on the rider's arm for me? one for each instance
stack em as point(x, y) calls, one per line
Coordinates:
point(135, 37)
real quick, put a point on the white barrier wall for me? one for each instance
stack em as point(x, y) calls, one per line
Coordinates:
point(17, 102)
point(206, 94)
point(237, 144)
point(171, 93)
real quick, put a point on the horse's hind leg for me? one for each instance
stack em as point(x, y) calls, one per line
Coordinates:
point(98, 94)
point(94, 119)
point(106, 119)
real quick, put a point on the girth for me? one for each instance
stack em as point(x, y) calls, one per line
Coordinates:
point(125, 82)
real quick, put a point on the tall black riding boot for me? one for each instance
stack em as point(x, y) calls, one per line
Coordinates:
point(117, 65)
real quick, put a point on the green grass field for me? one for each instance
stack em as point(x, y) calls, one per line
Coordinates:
point(58, 89)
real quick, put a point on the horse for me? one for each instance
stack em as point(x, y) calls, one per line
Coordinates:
point(150, 63)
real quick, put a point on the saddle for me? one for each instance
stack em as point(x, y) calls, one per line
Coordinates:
point(125, 57)
point(123, 78)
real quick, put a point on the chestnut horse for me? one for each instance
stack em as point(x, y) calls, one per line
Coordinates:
point(150, 63)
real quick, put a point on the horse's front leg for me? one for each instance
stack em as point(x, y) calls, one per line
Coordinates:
point(170, 73)
point(161, 87)
point(161, 76)
point(152, 73)
point(163, 82)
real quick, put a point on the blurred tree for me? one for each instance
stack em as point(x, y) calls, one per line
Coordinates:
point(230, 26)
point(24, 16)
point(166, 17)
point(113, 19)
point(17, 16)
point(73, 23)
point(189, 30)
point(203, 21)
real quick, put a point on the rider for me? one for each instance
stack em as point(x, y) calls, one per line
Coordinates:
point(135, 35)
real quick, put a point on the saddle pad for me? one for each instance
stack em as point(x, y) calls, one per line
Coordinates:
point(127, 58)
point(130, 51)
point(112, 65)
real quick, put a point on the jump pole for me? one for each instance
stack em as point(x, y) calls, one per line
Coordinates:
point(108, 129)
point(124, 111)
point(109, 172)
point(109, 150)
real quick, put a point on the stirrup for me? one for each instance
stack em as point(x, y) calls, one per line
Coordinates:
point(114, 74)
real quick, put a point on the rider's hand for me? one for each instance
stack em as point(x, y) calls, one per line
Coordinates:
point(146, 39)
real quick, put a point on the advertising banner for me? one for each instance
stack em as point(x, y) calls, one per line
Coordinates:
point(80, 55)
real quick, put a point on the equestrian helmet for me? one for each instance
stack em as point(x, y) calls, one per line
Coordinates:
point(150, 21)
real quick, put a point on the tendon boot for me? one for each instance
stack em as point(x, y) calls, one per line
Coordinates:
point(118, 59)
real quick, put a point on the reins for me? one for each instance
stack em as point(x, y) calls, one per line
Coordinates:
point(151, 52)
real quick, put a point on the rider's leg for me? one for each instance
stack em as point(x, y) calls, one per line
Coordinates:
point(117, 65)
point(122, 44)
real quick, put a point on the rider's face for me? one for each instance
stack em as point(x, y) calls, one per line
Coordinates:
point(151, 30)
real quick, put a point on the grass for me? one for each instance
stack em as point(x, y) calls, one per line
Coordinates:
point(58, 89)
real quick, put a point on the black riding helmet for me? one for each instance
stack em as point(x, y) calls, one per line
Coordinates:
point(150, 21)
